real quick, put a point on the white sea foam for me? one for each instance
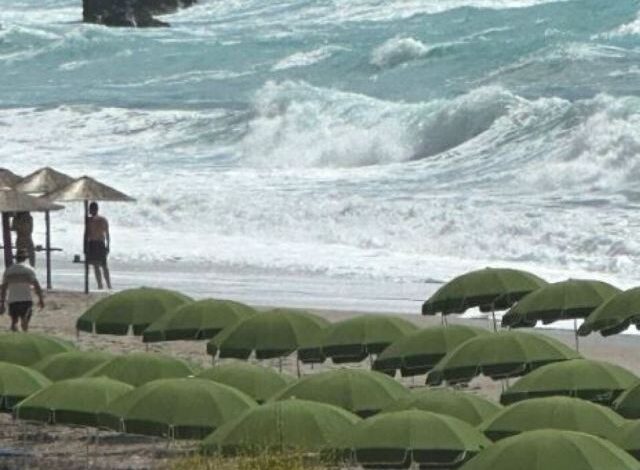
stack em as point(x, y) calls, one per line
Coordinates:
point(398, 50)
point(306, 58)
point(288, 204)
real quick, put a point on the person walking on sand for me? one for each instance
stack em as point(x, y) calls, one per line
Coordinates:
point(23, 226)
point(98, 244)
point(18, 279)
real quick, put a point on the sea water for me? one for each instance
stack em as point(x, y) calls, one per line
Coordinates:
point(345, 153)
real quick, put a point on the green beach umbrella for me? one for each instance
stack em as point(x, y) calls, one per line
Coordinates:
point(275, 333)
point(615, 315)
point(197, 320)
point(462, 405)
point(571, 414)
point(500, 355)
point(18, 382)
point(259, 382)
point(139, 368)
point(132, 309)
point(574, 298)
point(188, 408)
point(398, 439)
point(490, 289)
point(284, 425)
point(629, 438)
point(571, 299)
point(354, 339)
point(628, 403)
point(72, 364)
point(28, 348)
point(596, 381)
point(72, 401)
point(552, 450)
point(419, 352)
point(359, 391)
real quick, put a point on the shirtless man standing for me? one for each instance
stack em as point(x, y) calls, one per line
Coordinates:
point(98, 243)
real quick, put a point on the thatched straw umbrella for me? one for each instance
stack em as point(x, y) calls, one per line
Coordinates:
point(8, 179)
point(44, 181)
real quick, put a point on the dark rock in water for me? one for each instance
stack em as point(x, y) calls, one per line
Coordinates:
point(130, 13)
point(160, 7)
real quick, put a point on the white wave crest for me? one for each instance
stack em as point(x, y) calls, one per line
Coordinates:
point(306, 58)
point(599, 153)
point(628, 29)
point(398, 50)
point(298, 125)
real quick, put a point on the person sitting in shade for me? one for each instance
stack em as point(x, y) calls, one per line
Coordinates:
point(23, 226)
point(18, 279)
point(98, 244)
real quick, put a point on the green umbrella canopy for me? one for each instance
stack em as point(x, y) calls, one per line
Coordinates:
point(552, 450)
point(28, 348)
point(359, 391)
point(132, 308)
point(289, 424)
point(574, 298)
point(197, 320)
point(419, 352)
point(615, 315)
point(275, 333)
point(18, 382)
point(72, 401)
point(399, 438)
point(259, 382)
point(354, 339)
point(188, 408)
point(628, 403)
point(488, 288)
point(571, 414)
point(500, 355)
point(629, 438)
point(596, 381)
point(72, 364)
point(139, 368)
point(462, 405)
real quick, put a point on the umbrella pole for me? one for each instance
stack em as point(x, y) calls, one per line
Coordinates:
point(47, 222)
point(575, 332)
point(493, 315)
point(6, 240)
point(85, 246)
point(298, 366)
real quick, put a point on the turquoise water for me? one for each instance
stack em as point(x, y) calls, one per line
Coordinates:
point(353, 139)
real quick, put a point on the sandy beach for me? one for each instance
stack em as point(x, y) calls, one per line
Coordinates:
point(64, 447)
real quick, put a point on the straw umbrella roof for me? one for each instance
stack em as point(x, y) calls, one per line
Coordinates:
point(45, 180)
point(88, 189)
point(15, 201)
point(8, 178)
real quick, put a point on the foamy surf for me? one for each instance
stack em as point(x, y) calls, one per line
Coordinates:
point(359, 142)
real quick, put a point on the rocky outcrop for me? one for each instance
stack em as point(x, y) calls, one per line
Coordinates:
point(131, 13)
point(161, 7)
